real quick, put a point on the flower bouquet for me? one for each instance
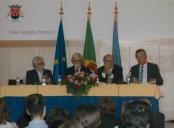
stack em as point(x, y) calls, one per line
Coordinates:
point(79, 84)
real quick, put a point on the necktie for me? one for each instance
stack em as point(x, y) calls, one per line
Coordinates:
point(140, 77)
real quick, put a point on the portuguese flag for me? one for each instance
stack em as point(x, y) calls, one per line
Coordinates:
point(89, 50)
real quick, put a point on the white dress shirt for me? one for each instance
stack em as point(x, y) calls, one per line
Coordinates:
point(40, 73)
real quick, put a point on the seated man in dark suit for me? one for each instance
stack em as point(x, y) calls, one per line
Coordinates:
point(37, 75)
point(77, 67)
point(145, 71)
point(110, 72)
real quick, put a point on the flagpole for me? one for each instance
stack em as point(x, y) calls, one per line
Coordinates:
point(116, 14)
point(115, 43)
point(89, 48)
point(89, 12)
point(61, 12)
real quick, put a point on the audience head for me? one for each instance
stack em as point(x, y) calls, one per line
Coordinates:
point(141, 56)
point(3, 111)
point(71, 124)
point(107, 106)
point(136, 114)
point(35, 106)
point(108, 61)
point(56, 117)
point(38, 63)
point(77, 59)
point(88, 115)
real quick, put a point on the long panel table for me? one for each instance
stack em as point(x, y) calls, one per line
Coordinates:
point(56, 96)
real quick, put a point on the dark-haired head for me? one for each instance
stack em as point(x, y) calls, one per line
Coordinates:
point(136, 114)
point(141, 56)
point(140, 50)
point(71, 124)
point(57, 116)
point(107, 106)
point(35, 105)
point(88, 115)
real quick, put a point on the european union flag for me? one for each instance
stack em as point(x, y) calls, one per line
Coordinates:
point(60, 62)
point(115, 46)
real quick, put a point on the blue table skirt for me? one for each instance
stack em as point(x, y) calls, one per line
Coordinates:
point(16, 104)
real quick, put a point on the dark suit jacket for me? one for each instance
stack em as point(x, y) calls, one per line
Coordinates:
point(108, 121)
point(33, 78)
point(117, 71)
point(152, 72)
point(71, 70)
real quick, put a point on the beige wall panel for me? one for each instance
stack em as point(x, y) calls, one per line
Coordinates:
point(68, 56)
point(74, 46)
point(167, 71)
point(152, 54)
point(78, 46)
point(103, 51)
point(73, 50)
point(48, 54)
point(21, 60)
point(125, 60)
point(97, 52)
point(4, 65)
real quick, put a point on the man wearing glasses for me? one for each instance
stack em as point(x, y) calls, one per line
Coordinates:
point(77, 61)
point(38, 74)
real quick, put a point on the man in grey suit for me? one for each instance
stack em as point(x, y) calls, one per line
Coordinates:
point(144, 71)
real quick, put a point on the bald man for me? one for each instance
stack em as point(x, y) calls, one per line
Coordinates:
point(110, 72)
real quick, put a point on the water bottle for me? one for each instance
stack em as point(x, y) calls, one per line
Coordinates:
point(128, 78)
point(109, 79)
point(43, 80)
point(98, 80)
point(59, 80)
point(17, 80)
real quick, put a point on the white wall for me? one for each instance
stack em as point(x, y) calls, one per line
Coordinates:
point(139, 20)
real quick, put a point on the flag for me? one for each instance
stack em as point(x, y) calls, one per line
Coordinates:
point(115, 46)
point(60, 62)
point(89, 50)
